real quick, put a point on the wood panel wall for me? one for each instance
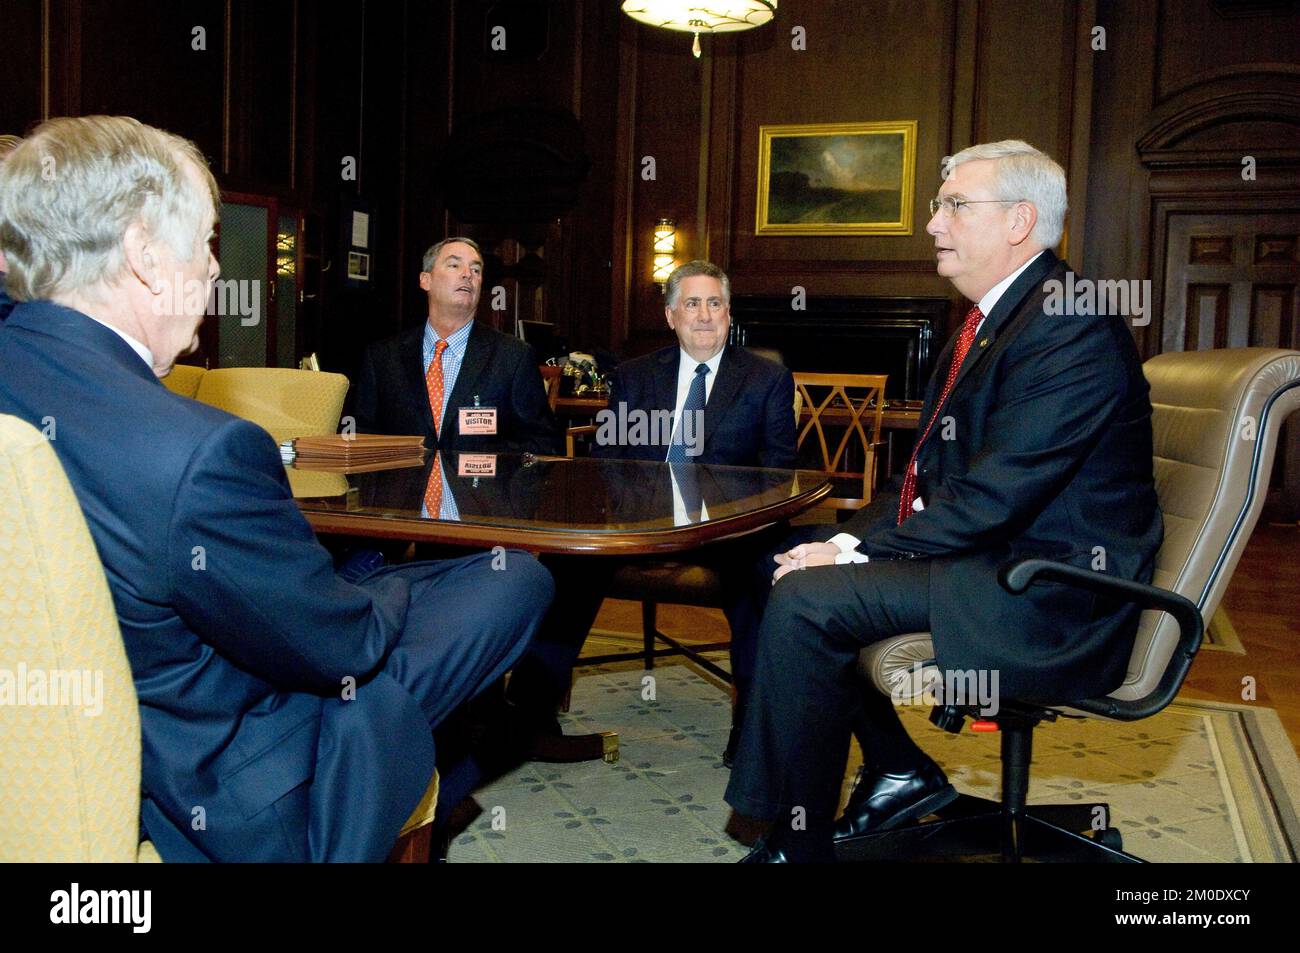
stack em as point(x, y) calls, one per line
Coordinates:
point(1152, 125)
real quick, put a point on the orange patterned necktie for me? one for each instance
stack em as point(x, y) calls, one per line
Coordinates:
point(959, 351)
point(433, 381)
point(433, 489)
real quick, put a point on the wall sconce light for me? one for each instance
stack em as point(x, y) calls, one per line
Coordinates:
point(286, 254)
point(665, 249)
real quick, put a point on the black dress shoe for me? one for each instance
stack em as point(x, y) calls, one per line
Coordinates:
point(764, 853)
point(774, 849)
point(881, 801)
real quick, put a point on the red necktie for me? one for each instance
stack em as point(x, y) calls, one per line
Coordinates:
point(964, 341)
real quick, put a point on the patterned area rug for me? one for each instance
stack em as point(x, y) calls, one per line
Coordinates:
point(1200, 781)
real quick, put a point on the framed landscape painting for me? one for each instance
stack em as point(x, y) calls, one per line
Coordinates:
point(850, 178)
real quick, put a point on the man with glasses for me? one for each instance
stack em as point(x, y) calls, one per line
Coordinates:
point(1035, 440)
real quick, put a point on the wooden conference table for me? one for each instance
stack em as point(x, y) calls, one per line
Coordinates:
point(559, 505)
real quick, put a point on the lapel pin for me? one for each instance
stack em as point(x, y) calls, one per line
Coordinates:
point(984, 341)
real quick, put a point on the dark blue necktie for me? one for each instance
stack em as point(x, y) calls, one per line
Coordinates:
point(693, 408)
point(689, 489)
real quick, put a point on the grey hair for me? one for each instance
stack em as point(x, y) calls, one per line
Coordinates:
point(70, 191)
point(8, 144)
point(692, 269)
point(1023, 173)
point(431, 256)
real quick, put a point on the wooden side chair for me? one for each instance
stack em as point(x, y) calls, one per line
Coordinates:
point(852, 406)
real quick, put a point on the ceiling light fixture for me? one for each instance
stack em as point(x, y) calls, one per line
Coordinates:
point(701, 16)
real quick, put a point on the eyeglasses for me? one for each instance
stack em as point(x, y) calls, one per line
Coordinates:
point(950, 204)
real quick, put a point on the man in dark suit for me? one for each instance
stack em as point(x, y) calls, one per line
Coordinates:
point(1035, 441)
point(486, 387)
point(698, 401)
point(285, 714)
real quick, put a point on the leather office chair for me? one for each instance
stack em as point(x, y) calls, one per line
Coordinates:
point(70, 783)
point(285, 402)
point(1216, 417)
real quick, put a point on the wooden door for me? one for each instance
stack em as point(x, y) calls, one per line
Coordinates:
point(1233, 280)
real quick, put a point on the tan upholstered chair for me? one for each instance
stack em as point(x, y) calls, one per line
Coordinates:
point(184, 379)
point(287, 403)
point(1216, 417)
point(69, 773)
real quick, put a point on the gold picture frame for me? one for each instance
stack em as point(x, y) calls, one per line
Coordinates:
point(845, 178)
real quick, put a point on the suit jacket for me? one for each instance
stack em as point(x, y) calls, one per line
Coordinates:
point(390, 395)
point(748, 418)
point(238, 632)
point(1051, 457)
point(6, 302)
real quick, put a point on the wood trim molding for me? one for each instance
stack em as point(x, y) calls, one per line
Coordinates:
point(832, 266)
point(1228, 95)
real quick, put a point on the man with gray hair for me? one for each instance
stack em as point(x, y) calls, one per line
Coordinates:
point(721, 405)
point(7, 145)
point(1035, 440)
point(285, 714)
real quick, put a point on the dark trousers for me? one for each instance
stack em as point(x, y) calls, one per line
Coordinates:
point(542, 676)
point(807, 697)
point(466, 624)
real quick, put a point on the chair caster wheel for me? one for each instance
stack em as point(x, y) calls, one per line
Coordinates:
point(1109, 837)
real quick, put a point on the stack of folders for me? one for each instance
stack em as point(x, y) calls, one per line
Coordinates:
point(356, 453)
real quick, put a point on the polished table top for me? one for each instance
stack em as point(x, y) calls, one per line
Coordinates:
point(897, 416)
point(557, 504)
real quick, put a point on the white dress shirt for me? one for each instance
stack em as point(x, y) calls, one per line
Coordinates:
point(685, 377)
point(847, 543)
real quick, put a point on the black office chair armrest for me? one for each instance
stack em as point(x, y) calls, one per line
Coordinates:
point(1016, 578)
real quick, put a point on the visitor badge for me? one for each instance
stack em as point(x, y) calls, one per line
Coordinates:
point(476, 464)
point(478, 420)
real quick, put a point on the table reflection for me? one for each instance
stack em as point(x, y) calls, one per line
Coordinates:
point(555, 494)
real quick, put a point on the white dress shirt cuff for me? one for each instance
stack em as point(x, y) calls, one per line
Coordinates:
point(848, 546)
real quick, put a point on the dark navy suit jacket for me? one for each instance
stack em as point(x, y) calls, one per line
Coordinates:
point(390, 395)
point(1051, 457)
point(239, 634)
point(748, 418)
